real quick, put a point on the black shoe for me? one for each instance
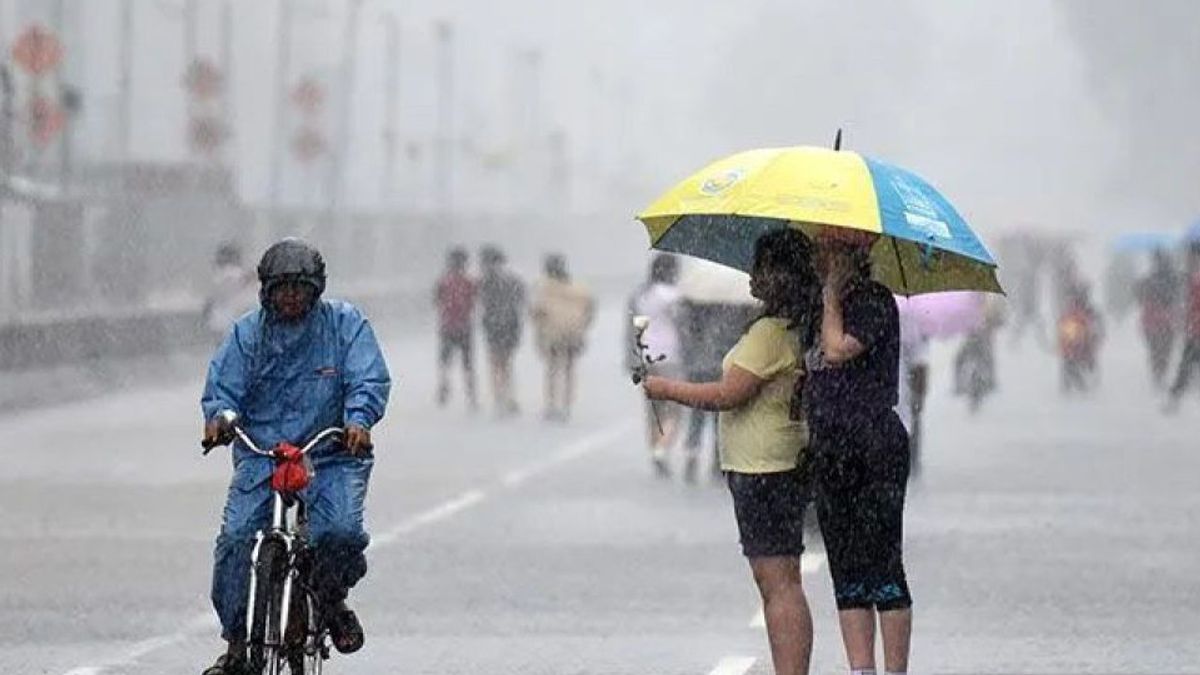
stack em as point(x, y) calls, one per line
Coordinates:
point(228, 664)
point(345, 629)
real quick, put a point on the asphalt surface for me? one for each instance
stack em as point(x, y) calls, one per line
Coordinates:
point(1044, 535)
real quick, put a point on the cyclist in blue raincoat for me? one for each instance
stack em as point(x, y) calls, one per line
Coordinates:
point(295, 366)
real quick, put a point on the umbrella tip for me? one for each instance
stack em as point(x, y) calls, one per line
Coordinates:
point(837, 140)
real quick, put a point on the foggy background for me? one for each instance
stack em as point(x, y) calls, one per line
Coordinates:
point(550, 125)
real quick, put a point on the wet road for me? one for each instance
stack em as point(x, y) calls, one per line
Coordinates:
point(1045, 536)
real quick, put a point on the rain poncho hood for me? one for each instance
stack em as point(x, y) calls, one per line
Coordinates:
point(289, 380)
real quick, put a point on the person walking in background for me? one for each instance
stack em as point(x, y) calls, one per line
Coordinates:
point(764, 437)
point(562, 312)
point(1079, 334)
point(454, 296)
point(1158, 295)
point(502, 300)
point(232, 293)
point(914, 382)
point(1189, 360)
point(860, 452)
point(659, 301)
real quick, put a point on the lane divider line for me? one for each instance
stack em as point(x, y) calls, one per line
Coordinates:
point(207, 622)
point(438, 513)
point(733, 665)
point(572, 451)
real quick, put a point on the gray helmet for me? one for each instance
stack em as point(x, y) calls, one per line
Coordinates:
point(292, 259)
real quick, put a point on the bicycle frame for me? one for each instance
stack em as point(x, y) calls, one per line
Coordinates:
point(293, 537)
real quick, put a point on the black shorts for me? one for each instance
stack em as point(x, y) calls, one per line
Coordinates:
point(450, 342)
point(861, 474)
point(770, 511)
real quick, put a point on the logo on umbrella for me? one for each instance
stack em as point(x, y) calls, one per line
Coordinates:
point(718, 184)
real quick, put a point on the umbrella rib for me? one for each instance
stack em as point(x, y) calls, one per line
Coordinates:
point(900, 266)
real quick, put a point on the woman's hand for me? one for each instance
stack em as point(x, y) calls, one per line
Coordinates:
point(838, 275)
point(656, 387)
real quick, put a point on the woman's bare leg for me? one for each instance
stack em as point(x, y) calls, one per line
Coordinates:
point(789, 620)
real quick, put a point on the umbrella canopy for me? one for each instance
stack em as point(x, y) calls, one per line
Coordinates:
point(1193, 233)
point(719, 212)
point(944, 315)
point(707, 282)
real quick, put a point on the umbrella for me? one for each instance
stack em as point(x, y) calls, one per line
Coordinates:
point(706, 282)
point(943, 315)
point(1145, 242)
point(1193, 233)
point(719, 212)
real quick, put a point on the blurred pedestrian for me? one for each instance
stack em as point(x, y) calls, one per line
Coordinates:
point(1080, 332)
point(1158, 295)
point(454, 295)
point(1189, 361)
point(562, 312)
point(659, 301)
point(764, 437)
point(914, 382)
point(860, 451)
point(502, 300)
point(233, 291)
point(975, 362)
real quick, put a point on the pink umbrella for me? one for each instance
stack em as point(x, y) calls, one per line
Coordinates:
point(943, 315)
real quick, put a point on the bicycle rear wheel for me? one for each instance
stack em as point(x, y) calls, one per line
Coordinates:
point(266, 633)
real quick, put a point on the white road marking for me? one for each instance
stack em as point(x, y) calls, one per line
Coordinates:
point(733, 665)
point(810, 563)
point(447, 509)
point(575, 450)
point(440, 512)
point(200, 622)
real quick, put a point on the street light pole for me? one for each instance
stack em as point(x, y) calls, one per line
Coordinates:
point(391, 99)
point(444, 143)
point(283, 53)
point(341, 148)
point(125, 82)
point(227, 69)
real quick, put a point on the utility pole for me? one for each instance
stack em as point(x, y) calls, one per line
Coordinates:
point(64, 143)
point(283, 53)
point(443, 160)
point(227, 111)
point(125, 83)
point(391, 101)
point(345, 108)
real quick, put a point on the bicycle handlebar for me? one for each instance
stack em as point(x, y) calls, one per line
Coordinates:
point(237, 429)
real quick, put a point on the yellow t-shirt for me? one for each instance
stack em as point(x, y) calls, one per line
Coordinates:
point(760, 436)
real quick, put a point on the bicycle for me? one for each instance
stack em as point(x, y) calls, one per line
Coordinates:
point(283, 625)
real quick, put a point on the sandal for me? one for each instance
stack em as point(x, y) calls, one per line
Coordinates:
point(346, 631)
point(226, 665)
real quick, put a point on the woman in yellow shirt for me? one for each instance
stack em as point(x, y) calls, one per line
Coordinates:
point(763, 439)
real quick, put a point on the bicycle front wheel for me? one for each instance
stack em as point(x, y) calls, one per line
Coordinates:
point(266, 633)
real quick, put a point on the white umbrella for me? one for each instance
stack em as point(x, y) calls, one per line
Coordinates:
point(702, 281)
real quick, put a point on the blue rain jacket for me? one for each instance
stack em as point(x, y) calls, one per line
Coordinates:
point(288, 381)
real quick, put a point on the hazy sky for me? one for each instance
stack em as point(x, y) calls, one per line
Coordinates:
point(1056, 114)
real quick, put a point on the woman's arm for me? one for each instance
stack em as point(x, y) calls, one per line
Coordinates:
point(838, 347)
point(736, 387)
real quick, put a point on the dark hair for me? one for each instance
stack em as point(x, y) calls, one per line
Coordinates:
point(228, 253)
point(457, 256)
point(491, 254)
point(664, 269)
point(789, 254)
point(556, 266)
